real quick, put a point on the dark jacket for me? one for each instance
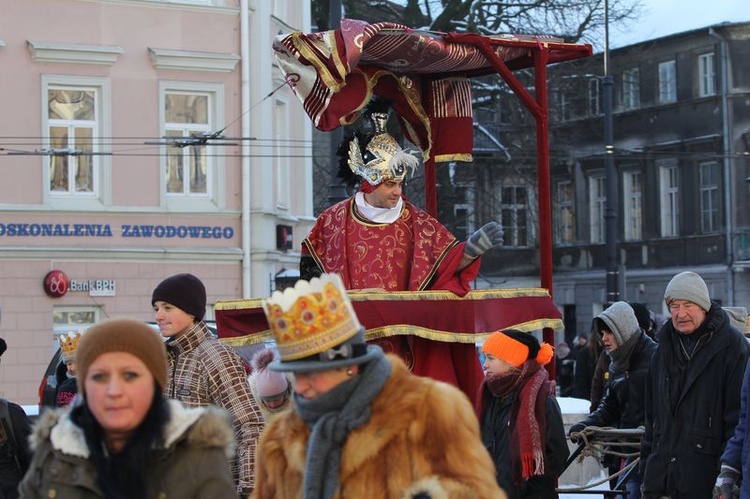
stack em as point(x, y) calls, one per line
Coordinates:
point(584, 373)
point(737, 452)
point(496, 431)
point(194, 463)
point(623, 404)
point(600, 380)
point(692, 407)
point(15, 455)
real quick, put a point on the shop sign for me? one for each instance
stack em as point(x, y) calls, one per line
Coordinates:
point(56, 283)
point(95, 287)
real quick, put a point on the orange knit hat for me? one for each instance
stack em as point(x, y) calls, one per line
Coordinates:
point(516, 347)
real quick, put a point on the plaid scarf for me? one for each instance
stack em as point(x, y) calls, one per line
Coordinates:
point(528, 419)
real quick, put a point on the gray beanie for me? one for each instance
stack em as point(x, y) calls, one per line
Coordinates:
point(620, 320)
point(688, 286)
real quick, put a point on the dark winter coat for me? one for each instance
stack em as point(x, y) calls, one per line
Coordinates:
point(584, 373)
point(15, 454)
point(692, 407)
point(623, 404)
point(495, 424)
point(737, 452)
point(194, 462)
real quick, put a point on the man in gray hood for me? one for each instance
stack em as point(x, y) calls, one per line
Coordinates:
point(630, 351)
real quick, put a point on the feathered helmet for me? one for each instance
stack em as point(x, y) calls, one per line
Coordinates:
point(383, 158)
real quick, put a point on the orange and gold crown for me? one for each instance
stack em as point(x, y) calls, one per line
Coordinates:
point(68, 345)
point(311, 317)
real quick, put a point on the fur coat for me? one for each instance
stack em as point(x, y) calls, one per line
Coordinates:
point(194, 462)
point(422, 437)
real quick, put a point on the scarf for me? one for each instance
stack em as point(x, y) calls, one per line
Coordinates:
point(621, 356)
point(528, 418)
point(378, 215)
point(331, 417)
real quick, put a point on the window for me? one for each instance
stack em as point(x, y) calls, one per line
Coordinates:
point(463, 210)
point(565, 109)
point(597, 204)
point(631, 90)
point(73, 319)
point(514, 215)
point(565, 213)
point(595, 92)
point(190, 169)
point(709, 178)
point(73, 123)
point(706, 75)
point(633, 193)
point(281, 161)
point(186, 115)
point(667, 82)
point(669, 191)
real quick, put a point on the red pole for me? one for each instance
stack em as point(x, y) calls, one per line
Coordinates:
point(543, 184)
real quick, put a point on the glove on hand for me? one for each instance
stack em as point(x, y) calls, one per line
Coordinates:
point(489, 236)
point(576, 428)
point(726, 483)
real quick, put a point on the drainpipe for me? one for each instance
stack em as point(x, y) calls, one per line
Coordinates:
point(727, 173)
point(245, 147)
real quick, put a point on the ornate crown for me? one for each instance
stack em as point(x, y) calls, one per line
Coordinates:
point(385, 158)
point(311, 317)
point(68, 345)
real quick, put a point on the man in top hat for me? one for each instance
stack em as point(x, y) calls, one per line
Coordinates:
point(361, 424)
point(379, 240)
point(692, 393)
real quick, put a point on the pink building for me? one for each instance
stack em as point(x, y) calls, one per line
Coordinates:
point(141, 138)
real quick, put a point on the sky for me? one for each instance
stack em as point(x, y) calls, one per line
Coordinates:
point(665, 17)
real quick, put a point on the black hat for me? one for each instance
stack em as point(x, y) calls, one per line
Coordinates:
point(184, 291)
point(642, 314)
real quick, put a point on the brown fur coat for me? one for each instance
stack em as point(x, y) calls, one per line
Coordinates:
point(423, 436)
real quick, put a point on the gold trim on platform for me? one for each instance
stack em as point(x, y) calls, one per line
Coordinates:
point(409, 330)
point(354, 295)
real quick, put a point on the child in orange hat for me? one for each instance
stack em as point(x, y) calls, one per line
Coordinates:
point(520, 419)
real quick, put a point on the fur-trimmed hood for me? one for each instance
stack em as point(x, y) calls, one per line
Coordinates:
point(201, 426)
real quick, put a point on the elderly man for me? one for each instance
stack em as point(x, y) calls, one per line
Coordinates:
point(692, 393)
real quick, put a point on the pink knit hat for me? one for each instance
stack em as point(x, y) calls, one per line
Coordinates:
point(270, 384)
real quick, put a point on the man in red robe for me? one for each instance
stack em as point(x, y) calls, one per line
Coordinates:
point(378, 240)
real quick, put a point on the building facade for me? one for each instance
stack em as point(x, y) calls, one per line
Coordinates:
point(681, 123)
point(141, 138)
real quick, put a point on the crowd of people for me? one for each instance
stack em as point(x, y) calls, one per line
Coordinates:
point(328, 415)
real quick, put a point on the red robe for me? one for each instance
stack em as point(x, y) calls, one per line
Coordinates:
point(414, 253)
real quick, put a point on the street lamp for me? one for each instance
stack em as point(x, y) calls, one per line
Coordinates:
point(610, 210)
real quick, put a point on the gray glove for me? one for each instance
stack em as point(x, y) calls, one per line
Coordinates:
point(489, 236)
point(726, 483)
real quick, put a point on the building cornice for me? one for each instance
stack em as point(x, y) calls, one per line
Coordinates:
point(74, 53)
point(188, 60)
